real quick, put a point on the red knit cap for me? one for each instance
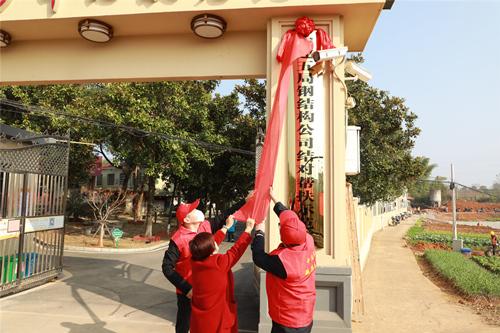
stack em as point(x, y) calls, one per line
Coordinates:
point(292, 229)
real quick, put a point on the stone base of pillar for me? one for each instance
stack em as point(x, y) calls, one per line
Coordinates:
point(332, 313)
point(457, 244)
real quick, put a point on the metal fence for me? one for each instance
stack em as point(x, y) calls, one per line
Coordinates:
point(33, 187)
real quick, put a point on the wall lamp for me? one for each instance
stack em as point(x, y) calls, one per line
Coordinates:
point(4, 38)
point(208, 26)
point(95, 31)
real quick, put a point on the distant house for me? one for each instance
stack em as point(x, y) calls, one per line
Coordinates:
point(107, 176)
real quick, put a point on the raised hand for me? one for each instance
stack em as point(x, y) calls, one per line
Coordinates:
point(229, 221)
point(249, 225)
point(261, 226)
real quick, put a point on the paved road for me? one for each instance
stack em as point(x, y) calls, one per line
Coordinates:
point(399, 298)
point(106, 293)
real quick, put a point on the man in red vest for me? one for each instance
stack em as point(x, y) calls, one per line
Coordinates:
point(176, 264)
point(290, 278)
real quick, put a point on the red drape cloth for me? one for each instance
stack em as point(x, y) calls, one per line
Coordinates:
point(293, 46)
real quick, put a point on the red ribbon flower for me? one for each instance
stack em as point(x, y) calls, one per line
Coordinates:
point(304, 26)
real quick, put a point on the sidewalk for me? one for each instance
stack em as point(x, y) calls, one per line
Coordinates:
point(114, 293)
point(398, 298)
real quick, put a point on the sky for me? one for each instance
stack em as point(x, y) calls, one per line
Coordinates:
point(443, 57)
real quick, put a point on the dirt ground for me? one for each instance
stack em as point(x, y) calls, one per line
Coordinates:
point(75, 234)
point(441, 226)
point(487, 307)
point(399, 298)
point(421, 247)
point(470, 216)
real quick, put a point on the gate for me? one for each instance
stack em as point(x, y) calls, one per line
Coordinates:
point(33, 191)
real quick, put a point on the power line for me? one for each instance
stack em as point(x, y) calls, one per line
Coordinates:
point(449, 182)
point(35, 110)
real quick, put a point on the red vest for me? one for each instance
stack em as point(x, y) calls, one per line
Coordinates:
point(182, 237)
point(291, 301)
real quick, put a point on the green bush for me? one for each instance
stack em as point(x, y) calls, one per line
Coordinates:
point(417, 234)
point(465, 274)
point(490, 263)
point(415, 230)
point(76, 206)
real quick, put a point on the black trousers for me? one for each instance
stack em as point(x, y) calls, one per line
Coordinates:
point(183, 314)
point(277, 328)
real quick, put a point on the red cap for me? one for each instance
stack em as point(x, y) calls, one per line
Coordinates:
point(184, 209)
point(292, 229)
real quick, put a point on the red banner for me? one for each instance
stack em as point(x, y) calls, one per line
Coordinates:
point(294, 45)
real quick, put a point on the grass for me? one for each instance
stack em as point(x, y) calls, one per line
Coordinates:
point(490, 263)
point(464, 273)
point(417, 234)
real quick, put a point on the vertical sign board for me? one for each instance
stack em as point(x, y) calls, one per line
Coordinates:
point(309, 141)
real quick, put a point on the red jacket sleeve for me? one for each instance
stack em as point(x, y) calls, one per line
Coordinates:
point(219, 237)
point(228, 260)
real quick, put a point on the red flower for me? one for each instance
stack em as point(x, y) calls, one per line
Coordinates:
point(304, 26)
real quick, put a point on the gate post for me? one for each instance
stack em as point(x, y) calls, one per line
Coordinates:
point(21, 229)
point(333, 273)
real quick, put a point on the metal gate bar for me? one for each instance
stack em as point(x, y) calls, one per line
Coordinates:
point(33, 188)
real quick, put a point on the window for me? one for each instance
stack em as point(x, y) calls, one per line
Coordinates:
point(111, 179)
point(122, 178)
point(98, 180)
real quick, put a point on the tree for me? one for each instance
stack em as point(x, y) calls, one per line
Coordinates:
point(230, 175)
point(170, 109)
point(105, 203)
point(420, 189)
point(388, 133)
point(60, 98)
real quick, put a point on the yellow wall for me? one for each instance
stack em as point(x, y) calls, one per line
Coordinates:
point(370, 219)
point(153, 40)
point(151, 58)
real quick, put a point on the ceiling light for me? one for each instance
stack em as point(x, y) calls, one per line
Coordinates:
point(208, 26)
point(4, 38)
point(95, 31)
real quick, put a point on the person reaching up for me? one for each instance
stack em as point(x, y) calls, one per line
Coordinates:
point(290, 277)
point(213, 304)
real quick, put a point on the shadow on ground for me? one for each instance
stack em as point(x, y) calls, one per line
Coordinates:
point(127, 285)
point(136, 291)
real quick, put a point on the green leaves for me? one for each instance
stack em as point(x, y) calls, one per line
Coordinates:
point(388, 134)
point(466, 275)
point(490, 263)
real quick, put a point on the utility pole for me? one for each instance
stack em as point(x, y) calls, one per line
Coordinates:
point(456, 243)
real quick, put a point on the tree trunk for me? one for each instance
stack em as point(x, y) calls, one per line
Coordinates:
point(101, 234)
point(149, 208)
point(169, 213)
point(139, 195)
point(127, 171)
point(139, 198)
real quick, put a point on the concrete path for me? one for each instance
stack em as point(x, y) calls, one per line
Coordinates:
point(107, 293)
point(399, 298)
